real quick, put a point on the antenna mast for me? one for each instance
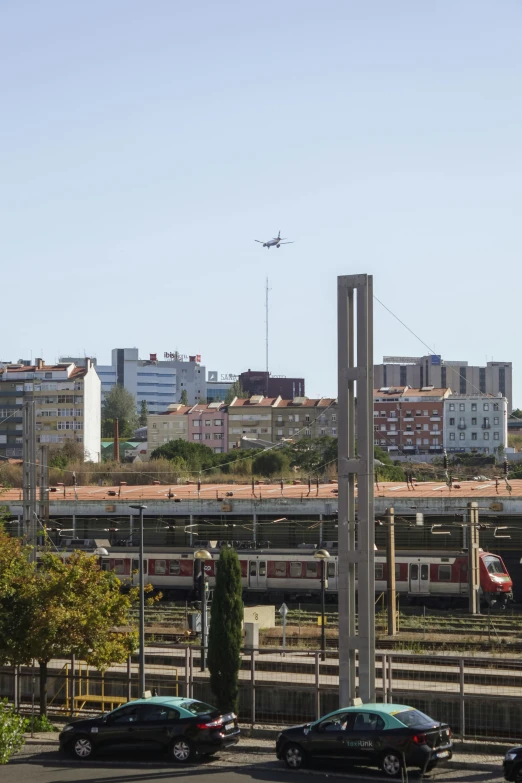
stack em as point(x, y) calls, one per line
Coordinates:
point(267, 289)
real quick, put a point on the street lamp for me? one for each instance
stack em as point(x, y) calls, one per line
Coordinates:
point(140, 507)
point(322, 555)
point(203, 555)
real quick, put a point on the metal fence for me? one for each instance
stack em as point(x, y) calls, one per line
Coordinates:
point(480, 697)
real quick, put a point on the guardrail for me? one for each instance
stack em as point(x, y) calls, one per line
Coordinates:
point(479, 696)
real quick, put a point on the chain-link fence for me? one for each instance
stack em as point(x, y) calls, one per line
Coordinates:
point(478, 696)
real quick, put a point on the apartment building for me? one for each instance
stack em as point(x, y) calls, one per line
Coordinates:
point(200, 423)
point(260, 382)
point(409, 420)
point(274, 419)
point(67, 406)
point(417, 371)
point(475, 423)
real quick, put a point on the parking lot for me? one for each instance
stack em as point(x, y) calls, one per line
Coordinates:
point(44, 764)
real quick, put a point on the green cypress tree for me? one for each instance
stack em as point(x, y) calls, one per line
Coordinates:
point(225, 635)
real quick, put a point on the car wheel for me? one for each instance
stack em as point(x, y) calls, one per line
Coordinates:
point(182, 750)
point(294, 756)
point(391, 764)
point(518, 775)
point(82, 748)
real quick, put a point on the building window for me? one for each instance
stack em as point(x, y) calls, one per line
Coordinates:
point(473, 436)
point(495, 420)
point(496, 436)
point(279, 432)
point(434, 413)
point(208, 422)
point(462, 406)
point(486, 436)
point(474, 421)
point(334, 417)
point(197, 436)
point(307, 431)
point(334, 431)
point(48, 376)
point(424, 413)
point(383, 413)
point(196, 423)
point(452, 406)
point(418, 413)
point(495, 406)
point(452, 436)
point(452, 422)
point(462, 436)
point(208, 436)
point(218, 422)
point(486, 406)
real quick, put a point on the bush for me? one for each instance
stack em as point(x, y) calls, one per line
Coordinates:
point(269, 463)
point(12, 728)
point(40, 723)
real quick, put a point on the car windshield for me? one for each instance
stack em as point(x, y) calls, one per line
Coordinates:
point(414, 719)
point(197, 707)
point(494, 565)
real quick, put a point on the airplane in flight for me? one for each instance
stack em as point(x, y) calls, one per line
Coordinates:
point(277, 241)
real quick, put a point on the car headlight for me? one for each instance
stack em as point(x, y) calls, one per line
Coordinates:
point(69, 727)
point(510, 756)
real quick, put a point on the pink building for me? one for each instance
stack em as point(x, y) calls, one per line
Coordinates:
point(207, 424)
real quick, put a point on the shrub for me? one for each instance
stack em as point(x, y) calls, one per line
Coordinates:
point(12, 728)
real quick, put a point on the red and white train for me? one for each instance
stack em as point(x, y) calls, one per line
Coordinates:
point(295, 573)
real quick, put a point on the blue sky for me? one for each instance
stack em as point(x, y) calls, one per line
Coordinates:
point(144, 146)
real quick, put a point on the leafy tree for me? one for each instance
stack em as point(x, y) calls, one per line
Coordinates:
point(235, 391)
point(119, 404)
point(12, 727)
point(196, 455)
point(184, 397)
point(60, 456)
point(144, 412)
point(517, 413)
point(224, 640)
point(60, 609)
point(268, 463)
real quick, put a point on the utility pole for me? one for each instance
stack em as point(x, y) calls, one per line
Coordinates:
point(29, 474)
point(356, 549)
point(390, 565)
point(116, 444)
point(43, 476)
point(473, 558)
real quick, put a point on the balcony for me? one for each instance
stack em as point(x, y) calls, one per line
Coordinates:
point(462, 426)
point(393, 432)
point(408, 418)
point(392, 418)
point(486, 426)
point(437, 432)
point(434, 418)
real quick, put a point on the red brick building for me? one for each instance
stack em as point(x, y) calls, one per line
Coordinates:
point(409, 421)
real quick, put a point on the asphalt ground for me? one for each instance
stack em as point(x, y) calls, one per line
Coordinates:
point(252, 760)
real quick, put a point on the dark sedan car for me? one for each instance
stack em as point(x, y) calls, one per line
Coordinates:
point(390, 736)
point(513, 765)
point(183, 727)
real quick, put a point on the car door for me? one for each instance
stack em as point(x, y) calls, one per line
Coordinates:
point(327, 739)
point(119, 726)
point(156, 725)
point(364, 739)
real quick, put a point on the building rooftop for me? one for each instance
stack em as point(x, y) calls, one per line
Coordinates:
point(409, 391)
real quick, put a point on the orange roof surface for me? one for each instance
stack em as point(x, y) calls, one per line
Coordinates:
point(428, 489)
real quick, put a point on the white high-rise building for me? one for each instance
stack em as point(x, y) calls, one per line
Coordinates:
point(475, 422)
point(159, 382)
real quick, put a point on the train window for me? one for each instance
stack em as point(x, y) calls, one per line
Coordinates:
point(105, 566)
point(444, 573)
point(280, 569)
point(379, 571)
point(253, 568)
point(262, 568)
point(331, 570)
point(295, 569)
point(414, 571)
point(311, 569)
point(119, 567)
point(160, 566)
point(397, 571)
point(493, 565)
point(174, 567)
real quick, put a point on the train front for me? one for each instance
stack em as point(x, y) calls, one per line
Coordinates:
point(495, 581)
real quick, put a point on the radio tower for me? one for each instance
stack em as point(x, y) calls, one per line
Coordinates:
point(267, 289)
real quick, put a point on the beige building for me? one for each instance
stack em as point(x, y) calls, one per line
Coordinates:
point(274, 419)
point(67, 405)
point(171, 425)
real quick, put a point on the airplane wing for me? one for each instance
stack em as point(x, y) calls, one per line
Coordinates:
point(260, 241)
point(286, 243)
